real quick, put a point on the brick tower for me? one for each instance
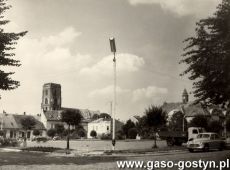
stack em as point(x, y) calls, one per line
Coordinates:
point(51, 97)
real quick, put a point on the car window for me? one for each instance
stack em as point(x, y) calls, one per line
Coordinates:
point(194, 131)
point(212, 136)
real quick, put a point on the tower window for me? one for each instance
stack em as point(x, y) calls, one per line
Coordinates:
point(46, 92)
point(46, 101)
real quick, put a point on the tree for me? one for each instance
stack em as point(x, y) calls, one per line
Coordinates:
point(27, 123)
point(105, 116)
point(176, 121)
point(199, 121)
point(2, 133)
point(71, 117)
point(208, 57)
point(81, 133)
point(132, 133)
point(128, 125)
point(7, 42)
point(36, 132)
point(215, 126)
point(155, 119)
point(93, 134)
point(59, 129)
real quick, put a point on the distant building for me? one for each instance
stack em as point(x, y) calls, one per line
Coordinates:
point(191, 110)
point(103, 126)
point(12, 127)
point(51, 107)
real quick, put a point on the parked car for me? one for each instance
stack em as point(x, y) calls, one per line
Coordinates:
point(41, 139)
point(205, 142)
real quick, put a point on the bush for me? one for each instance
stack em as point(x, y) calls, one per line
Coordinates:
point(9, 142)
point(132, 133)
point(106, 137)
point(36, 132)
point(81, 133)
point(41, 149)
point(51, 133)
point(93, 134)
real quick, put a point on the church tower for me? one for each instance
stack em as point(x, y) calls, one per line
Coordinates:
point(185, 96)
point(51, 97)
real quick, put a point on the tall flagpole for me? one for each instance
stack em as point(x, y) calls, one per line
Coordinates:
point(113, 50)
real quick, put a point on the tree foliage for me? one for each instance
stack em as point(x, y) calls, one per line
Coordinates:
point(207, 55)
point(7, 43)
point(128, 125)
point(215, 126)
point(71, 117)
point(175, 123)
point(155, 119)
point(199, 121)
point(132, 133)
point(28, 123)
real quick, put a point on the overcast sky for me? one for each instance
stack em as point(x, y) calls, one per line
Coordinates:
point(68, 43)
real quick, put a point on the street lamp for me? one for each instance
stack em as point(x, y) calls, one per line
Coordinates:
point(113, 50)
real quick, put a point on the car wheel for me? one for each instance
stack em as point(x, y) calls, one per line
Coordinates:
point(190, 150)
point(206, 148)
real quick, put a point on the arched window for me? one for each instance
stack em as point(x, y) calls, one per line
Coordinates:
point(46, 101)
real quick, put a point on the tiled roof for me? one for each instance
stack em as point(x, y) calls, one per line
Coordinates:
point(171, 106)
point(55, 115)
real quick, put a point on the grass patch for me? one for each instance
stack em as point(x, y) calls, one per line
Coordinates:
point(42, 149)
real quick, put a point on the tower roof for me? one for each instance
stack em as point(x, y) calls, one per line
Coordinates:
point(185, 93)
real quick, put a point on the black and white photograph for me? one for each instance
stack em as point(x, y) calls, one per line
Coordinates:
point(114, 84)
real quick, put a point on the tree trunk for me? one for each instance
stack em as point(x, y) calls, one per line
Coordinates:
point(155, 140)
point(67, 147)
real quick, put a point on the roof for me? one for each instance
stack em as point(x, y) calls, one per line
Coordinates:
point(101, 120)
point(9, 122)
point(190, 109)
point(13, 121)
point(167, 107)
point(18, 118)
point(55, 115)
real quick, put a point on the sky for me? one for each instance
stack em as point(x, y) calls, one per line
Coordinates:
point(68, 43)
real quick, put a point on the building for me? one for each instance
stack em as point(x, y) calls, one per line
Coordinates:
point(12, 127)
point(51, 107)
point(103, 126)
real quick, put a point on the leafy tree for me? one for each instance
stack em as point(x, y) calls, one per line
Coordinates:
point(27, 123)
point(207, 55)
point(59, 129)
point(93, 134)
point(199, 121)
point(215, 126)
point(95, 116)
point(7, 42)
point(36, 132)
point(51, 133)
point(128, 125)
point(132, 133)
point(1, 133)
point(105, 116)
point(71, 117)
point(142, 127)
point(176, 122)
point(155, 119)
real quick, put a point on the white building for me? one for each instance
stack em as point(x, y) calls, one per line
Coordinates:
point(101, 126)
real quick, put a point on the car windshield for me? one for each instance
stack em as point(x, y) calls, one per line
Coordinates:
point(203, 136)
